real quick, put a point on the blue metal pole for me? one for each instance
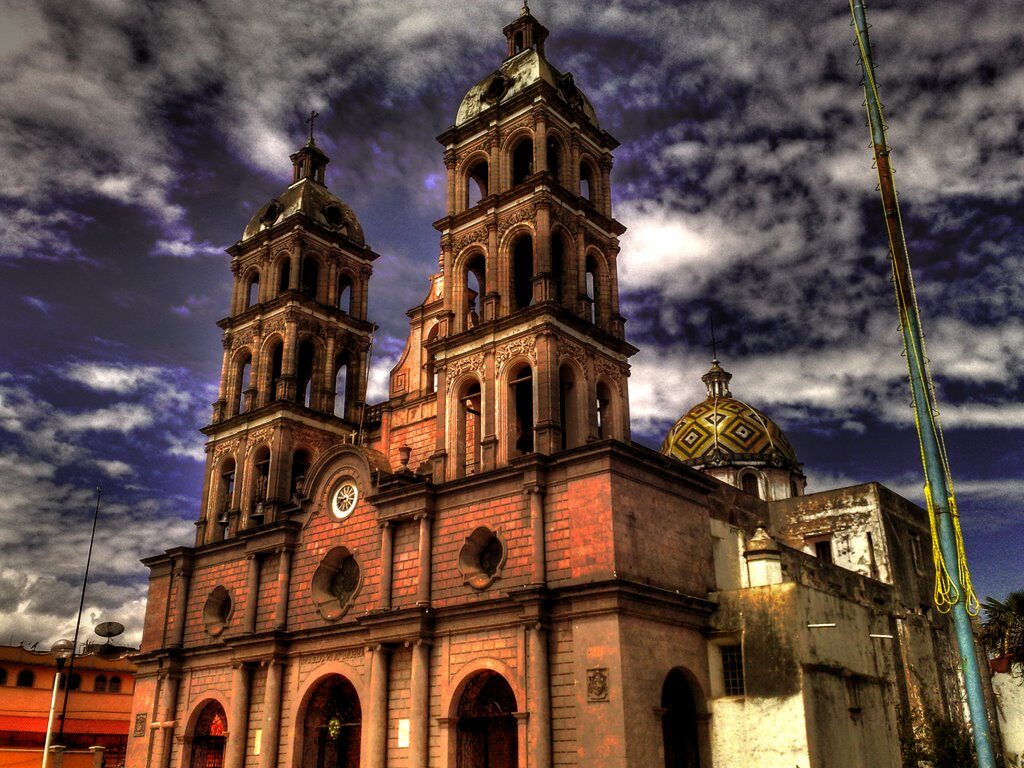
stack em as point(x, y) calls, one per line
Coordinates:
point(938, 487)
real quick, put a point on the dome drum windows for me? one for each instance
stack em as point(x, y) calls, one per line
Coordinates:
point(482, 558)
point(335, 583)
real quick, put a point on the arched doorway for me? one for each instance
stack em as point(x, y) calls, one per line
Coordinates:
point(332, 726)
point(487, 734)
point(679, 722)
point(208, 737)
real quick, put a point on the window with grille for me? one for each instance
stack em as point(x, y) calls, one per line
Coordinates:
point(732, 670)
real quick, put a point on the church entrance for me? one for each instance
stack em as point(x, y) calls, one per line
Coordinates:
point(208, 737)
point(679, 722)
point(487, 733)
point(332, 725)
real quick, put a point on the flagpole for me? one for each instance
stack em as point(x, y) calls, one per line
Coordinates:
point(953, 590)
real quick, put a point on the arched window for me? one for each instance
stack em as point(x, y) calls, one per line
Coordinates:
point(476, 183)
point(587, 185)
point(558, 250)
point(225, 489)
point(304, 373)
point(749, 484)
point(522, 272)
point(593, 287)
point(115, 684)
point(520, 407)
point(679, 722)
point(310, 277)
point(342, 365)
point(243, 375)
point(74, 682)
point(260, 475)
point(332, 726)
point(468, 428)
point(252, 290)
point(569, 412)
point(26, 679)
point(429, 371)
point(522, 161)
point(486, 732)
point(300, 466)
point(476, 285)
point(100, 684)
point(276, 365)
point(604, 411)
point(555, 158)
point(284, 274)
point(518, 44)
point(209, 737)
point(345, 293)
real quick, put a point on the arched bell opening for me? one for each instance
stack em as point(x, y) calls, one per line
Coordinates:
point(242, 382)
point(475, 286)
point(569, 385)
point(342, 370)
point(300, 468)
point(468, 418)
point(260, 485)
point(605, 411)
point(592, 288)
point(522, 272)
point(476, 183)
point(284, 274)
point(208, 737)
point(304, 373)
point(332, 725)
point(345, 291)
point(310, 278)
point(274, 364)
point(520, 410)
point(522, 161)
point(252, 290)
point(224, 493)
point(559, 249)
point(554, 151)
point(486, 732)
point(679, 731)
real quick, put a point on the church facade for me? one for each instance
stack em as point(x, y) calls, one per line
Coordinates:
point(483, 571)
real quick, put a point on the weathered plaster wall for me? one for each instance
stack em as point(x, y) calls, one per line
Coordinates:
point(1010, 705)
point(762, 732)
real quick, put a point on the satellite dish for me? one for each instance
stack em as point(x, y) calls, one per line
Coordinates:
point(109, 629)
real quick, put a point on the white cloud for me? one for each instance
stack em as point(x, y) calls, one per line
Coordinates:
point(116, 378)
point(123, 417)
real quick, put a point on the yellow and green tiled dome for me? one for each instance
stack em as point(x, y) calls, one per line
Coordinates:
point(722, 430)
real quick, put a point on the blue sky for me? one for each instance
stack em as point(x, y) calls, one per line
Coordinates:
point(136, 139)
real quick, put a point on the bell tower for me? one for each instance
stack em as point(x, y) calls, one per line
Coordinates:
point(523, 339)
point(296, 344)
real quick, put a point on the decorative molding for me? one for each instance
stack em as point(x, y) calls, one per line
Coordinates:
point(258, 437)
point(313, 440)
point(227, 446)
point(610, 370)
point(576, 352)
point(478, 235)
point(597, 684)
point(508, 220)
point(456, 368)
point(521, 346)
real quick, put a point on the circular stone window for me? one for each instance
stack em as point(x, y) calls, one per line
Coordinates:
point(482, 558)
point(344, 499)
point(217, 611)
point(335, 583)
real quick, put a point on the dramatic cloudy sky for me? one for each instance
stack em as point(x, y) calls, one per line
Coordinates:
point(136, 139)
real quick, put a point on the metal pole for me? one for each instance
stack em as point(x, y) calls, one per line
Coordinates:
point(953, 590)
point(49, 722)
point(78, 623)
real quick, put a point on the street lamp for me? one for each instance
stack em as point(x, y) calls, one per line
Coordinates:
point(62, 650)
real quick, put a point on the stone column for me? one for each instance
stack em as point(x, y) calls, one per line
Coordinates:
point(56, 756)
point(581, 303)
point(547, 432)
point(284, 571)
point(286, 384)
point(332, 284)
point(183, 571)
point(424, 575)
point(166, 722)
point(278, 459)
point(487, 427)
point(222, 392)
point(574, 164)
point(543, 286)
point(419, 731)
point(606, 186)
point(540, 141)
point(377, 727)
point(252, 592)
point(238, 722)
point(539, 698)
point(450, 167)
point(271, 714)
point(387, 562)
point(535, 498)
point(296, 264)
point(327, 390)
point(97, 756)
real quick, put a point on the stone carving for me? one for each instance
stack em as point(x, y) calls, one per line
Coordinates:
point(455, 369)
point(228, 446)
point(610, 371)
point(257, 437)
point(314, 441)
point(576, 352)
point(514, 217)
point(521, 346)
point(597, 684)
point(478, 235)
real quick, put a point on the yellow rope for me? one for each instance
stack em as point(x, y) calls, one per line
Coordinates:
point(946, 593)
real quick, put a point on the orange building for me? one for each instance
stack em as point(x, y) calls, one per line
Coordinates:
point(99, 708)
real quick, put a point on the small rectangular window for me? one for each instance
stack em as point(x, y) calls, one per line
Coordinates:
point(915, 552)
point(732, 670)
point(823, 550)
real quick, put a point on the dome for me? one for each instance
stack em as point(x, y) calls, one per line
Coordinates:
point(513, 77)
point(721, 430)
point(315, 201)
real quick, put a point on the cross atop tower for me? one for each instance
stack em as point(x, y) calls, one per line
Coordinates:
point(714, 342)
point(313, 115)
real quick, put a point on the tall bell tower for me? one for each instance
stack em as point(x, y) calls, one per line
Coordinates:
point(296, 344)
point(521, 342)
